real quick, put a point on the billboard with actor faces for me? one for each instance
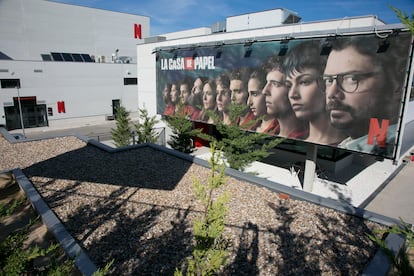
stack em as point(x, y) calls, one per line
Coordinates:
point(344, 91)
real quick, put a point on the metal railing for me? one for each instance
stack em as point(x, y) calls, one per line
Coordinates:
point(161, 138)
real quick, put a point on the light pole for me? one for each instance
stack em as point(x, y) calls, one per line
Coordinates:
point(20, 108)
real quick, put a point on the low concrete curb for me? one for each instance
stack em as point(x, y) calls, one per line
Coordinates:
point(55, 226)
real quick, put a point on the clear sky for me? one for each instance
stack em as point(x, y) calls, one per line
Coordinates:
point(177, 15)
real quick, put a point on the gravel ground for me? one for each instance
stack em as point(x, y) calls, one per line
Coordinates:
point(137, 207)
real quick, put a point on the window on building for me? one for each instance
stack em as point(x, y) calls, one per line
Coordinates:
point(130, 81)
point(46, 57)
point(77, 57)
point(57, 56)
point(67, 57)
point(70, 57)
point(87, 58)
point(10, 83)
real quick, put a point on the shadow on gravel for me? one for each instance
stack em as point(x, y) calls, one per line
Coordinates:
point(247, 254)
point(329, 244)
point(132, 243)
point(139, 167)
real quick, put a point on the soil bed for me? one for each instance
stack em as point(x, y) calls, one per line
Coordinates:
point(19, 217)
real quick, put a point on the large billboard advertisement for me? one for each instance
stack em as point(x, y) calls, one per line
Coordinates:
point(343, 91)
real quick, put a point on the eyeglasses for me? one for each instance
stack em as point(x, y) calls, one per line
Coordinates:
point(347, 82)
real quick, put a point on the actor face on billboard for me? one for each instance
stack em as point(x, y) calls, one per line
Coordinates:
point(364, 88)
point(305, 94)
point(239, 95)
point(238, 92)
point(185, 93)
point(256, 100)
point(175, 94)
point(276, 94)
point(308, 102)
point(198, 87)
point(209, 102)
point(223, 98)
point(353, 82)
point(209, 96)
point(166, 94)
point(197, 92)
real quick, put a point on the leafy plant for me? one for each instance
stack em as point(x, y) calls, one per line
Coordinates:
point(405, 18)
point(15, 260)
point(400, 262)
point(122, 133)
point(20, 260)
point(145, 127)
point(240, 147)
point(105, 270)
point(210, 250)
point(183, 132)
point(8, 209)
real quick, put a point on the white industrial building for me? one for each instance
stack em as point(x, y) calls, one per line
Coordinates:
point(66, 63)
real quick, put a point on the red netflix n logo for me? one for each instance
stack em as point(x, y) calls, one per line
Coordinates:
point(137, 31)
point(378, 132)
point(61, 107)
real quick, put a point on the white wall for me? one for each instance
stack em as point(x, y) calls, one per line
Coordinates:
point(188, 33)
point(29, 28)
point(256, 20)
point(146, 73)
point(86, 88)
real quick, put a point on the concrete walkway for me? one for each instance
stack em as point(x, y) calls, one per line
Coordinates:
point(396, 199)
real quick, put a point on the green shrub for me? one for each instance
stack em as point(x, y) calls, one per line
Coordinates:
point(240, 147)
point(210, 250)
point(183, 132)
point(145, 127)
point(121, 135)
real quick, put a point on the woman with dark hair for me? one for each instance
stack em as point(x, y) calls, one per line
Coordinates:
point(169, 107)
point(223, 97)
point(209, 112)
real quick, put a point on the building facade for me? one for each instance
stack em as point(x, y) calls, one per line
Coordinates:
point(62, 63)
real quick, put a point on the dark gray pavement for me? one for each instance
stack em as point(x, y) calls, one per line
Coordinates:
point(100, 132)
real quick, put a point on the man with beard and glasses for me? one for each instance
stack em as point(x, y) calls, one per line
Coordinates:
point(363, 90)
